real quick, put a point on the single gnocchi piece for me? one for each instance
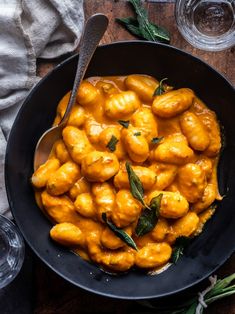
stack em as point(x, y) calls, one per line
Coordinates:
point(153, 255)
point(206, 164)
point(119, 261)
point(161, 230)
point(63, 178)
point(85, 206)
point(111, 241)
point(147, 177)
point(122, 105)
point(207, 199)
point(105, 141)
point(191, 182)
point(174, 149)
point(107, 88)
point(143, 85)
point(88, 94)
point(59, 208)
point(136, 144)
point(104, 198)
point(67, 234)
point(43, 173)
point(99, 166)
point(93, 130)
point(184, 226)
point(76, 142)
point(79, 187)
point(144, 120)
point(126, 209)
point(106, 135)
point(195, 131)
point(165, 175)
point(173, 102)
point(213, 128)
point(77, 116)
point(61, 152)
point(173, 204)
point(143, 240)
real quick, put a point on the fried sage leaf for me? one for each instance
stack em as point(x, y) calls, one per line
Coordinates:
point(180, 244)
point(125, 124)
point(119, 232)
point(160, 89)
point(112, 143)
point(149, 217)
point(136, 186)
point(157, 140)
point(137, 133)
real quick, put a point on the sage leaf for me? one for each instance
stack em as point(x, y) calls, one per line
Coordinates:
point(136, 186)
point(157, 140)
point(131, 24)
point(220, 296)
point(160, 89)
point(161, 33)
point(112, 143)
point(125, 124)
point(149, 217)
point(180, 244)
point(121, 234)
point(137, 133)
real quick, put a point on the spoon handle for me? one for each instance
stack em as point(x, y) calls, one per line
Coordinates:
point(94, 30)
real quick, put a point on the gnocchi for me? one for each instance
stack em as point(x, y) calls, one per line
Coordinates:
point(121, 150)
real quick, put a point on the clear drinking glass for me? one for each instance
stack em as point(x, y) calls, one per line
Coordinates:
point(11, 251)
point(207, 24)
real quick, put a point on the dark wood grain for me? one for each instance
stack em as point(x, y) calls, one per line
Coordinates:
point(53, 294)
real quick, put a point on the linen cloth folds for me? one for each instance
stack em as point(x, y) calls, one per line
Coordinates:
point(30, 29)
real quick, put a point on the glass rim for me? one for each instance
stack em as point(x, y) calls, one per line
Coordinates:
point(194, 37)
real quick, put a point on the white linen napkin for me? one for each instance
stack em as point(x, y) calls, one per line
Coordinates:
point(30, 29)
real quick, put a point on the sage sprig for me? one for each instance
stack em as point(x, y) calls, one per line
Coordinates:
point(136, 186)
point(112, 143)
point(121, 234)
point(142, 27)
point(160, 89)
point(149, 217)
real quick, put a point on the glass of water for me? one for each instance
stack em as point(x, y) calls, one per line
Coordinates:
point(11, 251)
point(207, 24)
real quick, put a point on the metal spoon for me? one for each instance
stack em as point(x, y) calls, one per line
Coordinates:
point(94, 30)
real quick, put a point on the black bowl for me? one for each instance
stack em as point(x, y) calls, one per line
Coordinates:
point(207, 252)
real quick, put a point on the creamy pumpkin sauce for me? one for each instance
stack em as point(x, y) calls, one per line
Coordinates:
point(85, 175)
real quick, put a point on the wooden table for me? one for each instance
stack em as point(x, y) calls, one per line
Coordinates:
point(53, 294)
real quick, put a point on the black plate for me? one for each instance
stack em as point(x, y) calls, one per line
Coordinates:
point(207, 252)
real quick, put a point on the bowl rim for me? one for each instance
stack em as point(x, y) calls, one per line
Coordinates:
point(61, 64)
